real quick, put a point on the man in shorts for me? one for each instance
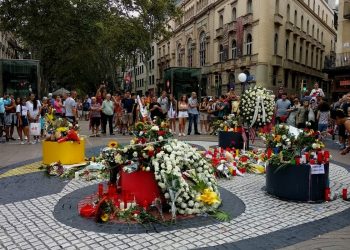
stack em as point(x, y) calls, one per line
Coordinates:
point(71, 107)
point(128, 104)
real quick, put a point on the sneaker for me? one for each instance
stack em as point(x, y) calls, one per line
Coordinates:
point(22, 142)
point(197, 133)
point(12, 139)
point(25, 138)
point(33, 142)
point(92, 135)
point(180, 134)
point(183, 134)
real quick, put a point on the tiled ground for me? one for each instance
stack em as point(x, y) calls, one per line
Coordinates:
point(30, 223)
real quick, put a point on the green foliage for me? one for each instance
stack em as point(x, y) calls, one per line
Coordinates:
point(221, 216)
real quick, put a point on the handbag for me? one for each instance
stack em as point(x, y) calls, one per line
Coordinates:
point(34, 129)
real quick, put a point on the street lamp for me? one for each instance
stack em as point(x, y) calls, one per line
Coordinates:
point(242, 77)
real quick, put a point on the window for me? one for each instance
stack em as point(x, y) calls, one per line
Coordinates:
point(249, 6)
point(302, 23)
point(277, 6)
point(179, 55)
point(294, 51)
point(190, 53)
point(331, 45)
point(221, 53)
point(321, 56)
point(202, 49)
point(313, 31)
point(326, 18)
point(152, 51)
point(307, 57)
point(234, 49)
point(249, 44)
point(295, 18)
point(301, 54)
point(287, 49)
point(318, 10)
point(288, 12)
point(318, 34)
point(313, 8)
point(308, 27)
point(275, 47)
point(234, 14)
point(160, 52)
point(322, 14)
point(274, 76)
point(316, 66)
point(308, 3)
point(221, 21)
point(312, 59)
point(322, 37)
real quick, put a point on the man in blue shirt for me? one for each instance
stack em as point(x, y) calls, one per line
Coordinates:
point(193, 114)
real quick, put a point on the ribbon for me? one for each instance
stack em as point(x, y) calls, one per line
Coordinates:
point(259, 102)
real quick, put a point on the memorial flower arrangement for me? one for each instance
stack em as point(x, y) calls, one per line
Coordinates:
point(230, 123)
point(257, 106)
point(60, 129)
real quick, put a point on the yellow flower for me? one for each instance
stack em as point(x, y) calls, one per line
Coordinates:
point(113, 144)
point(104, 217)
point(278, 138)
point(209, 197)
point(62, 129)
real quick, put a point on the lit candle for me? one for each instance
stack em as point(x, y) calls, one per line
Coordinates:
point(121, 205)
point(327, 194)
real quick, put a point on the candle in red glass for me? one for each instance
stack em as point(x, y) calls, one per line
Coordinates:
point(326, 156)
point(269, 153)
point(327, 194)
point(234, 173)
point(345, 193)
point(307, 155)
point(100, 189)
point(145, 204)
point(312, 161)
point(297, 160)
point(319, 157)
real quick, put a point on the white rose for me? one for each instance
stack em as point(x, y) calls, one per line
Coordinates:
point(135, 154)
point(148, 169)
point(160, 138)
point(166, 196)
point(183, 205)
point(155, 128)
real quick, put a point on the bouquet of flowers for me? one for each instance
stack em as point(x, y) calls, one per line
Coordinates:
point(60, 129)
point(257, 106)
point(280, 138)
point(229, 123)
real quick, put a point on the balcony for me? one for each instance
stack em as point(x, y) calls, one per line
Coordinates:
point(289, 26)
point(302, 35)
point(232, 27)
point(308, 39)
point(296, 31)
point(167, 57)
point(278, 19)
point(248, 19)
point(276, 60)
point(219, 32)
point(288, 64)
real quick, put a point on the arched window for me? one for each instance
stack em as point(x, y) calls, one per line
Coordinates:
point(275, 47)
point(312, 59)
point(316, 62)
point(318, 34)
point(322, 14)
point(307, 57)
point(277, 6)
point(302, 23)
point(234, 14)
point(313, 31)
point(249, 44)
point(287, 49)
point(234, 49)
point(322, 37)
point(221, 21)
point(308, 27)
point(288, 12)
point(249, 6)
point(202, 49)
point(179, 55)
point(295, 18)
point(301, 54)
point(294, 51)
point(331, 45)
point(318, 10)
point(313, 7)
point(308, 3)
point(189, 53)
point(221, 53)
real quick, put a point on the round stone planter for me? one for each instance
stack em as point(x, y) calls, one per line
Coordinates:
point(296, 182)
point(67, 153)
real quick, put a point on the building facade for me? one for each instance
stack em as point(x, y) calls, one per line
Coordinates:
point(337, 63)
point(275, 42)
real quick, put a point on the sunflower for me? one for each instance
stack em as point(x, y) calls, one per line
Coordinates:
point(139, 126)
point(104, 217)
point(113, 144)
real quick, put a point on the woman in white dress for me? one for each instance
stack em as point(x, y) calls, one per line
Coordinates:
point(172, 113)
point(183, 114)
point(34, 110)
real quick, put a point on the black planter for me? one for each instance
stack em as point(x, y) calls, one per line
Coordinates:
point(231, 139)
point(296, 183)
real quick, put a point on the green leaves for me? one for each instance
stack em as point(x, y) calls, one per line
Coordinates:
point(221, 216)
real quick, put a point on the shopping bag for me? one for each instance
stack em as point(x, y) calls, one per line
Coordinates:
point(34, 129)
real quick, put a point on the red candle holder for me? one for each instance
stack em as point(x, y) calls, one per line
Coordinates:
point(234, 173)
point(307, 156)
point(312, 161)
point(327, 194)
point(319, 157)
point(326, 156)
point(297, 160)
point(269, 153)
point(345, 193)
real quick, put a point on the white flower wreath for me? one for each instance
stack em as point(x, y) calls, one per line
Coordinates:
point(257, 106)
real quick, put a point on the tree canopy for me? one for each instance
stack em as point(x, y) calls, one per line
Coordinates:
point(81, 42)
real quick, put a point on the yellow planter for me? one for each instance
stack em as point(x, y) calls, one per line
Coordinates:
point(66, 152)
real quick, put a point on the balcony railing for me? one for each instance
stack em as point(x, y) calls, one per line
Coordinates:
point(232, 27)
point(248, 19)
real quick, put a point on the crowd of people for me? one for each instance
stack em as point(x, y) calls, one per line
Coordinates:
point(121, 111)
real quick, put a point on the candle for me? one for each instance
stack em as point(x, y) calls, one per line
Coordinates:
point(326, 156)
point(327, 194)
point(234, 173)
point(319, 157)
point(307, 156)
point(121, 205)
point(297, 160)
point(345, 193)
point(76, 175)
point(100, 189)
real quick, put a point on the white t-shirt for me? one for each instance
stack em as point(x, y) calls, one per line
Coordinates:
point(69, 105)
point(33, 113)
point(24, 110)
